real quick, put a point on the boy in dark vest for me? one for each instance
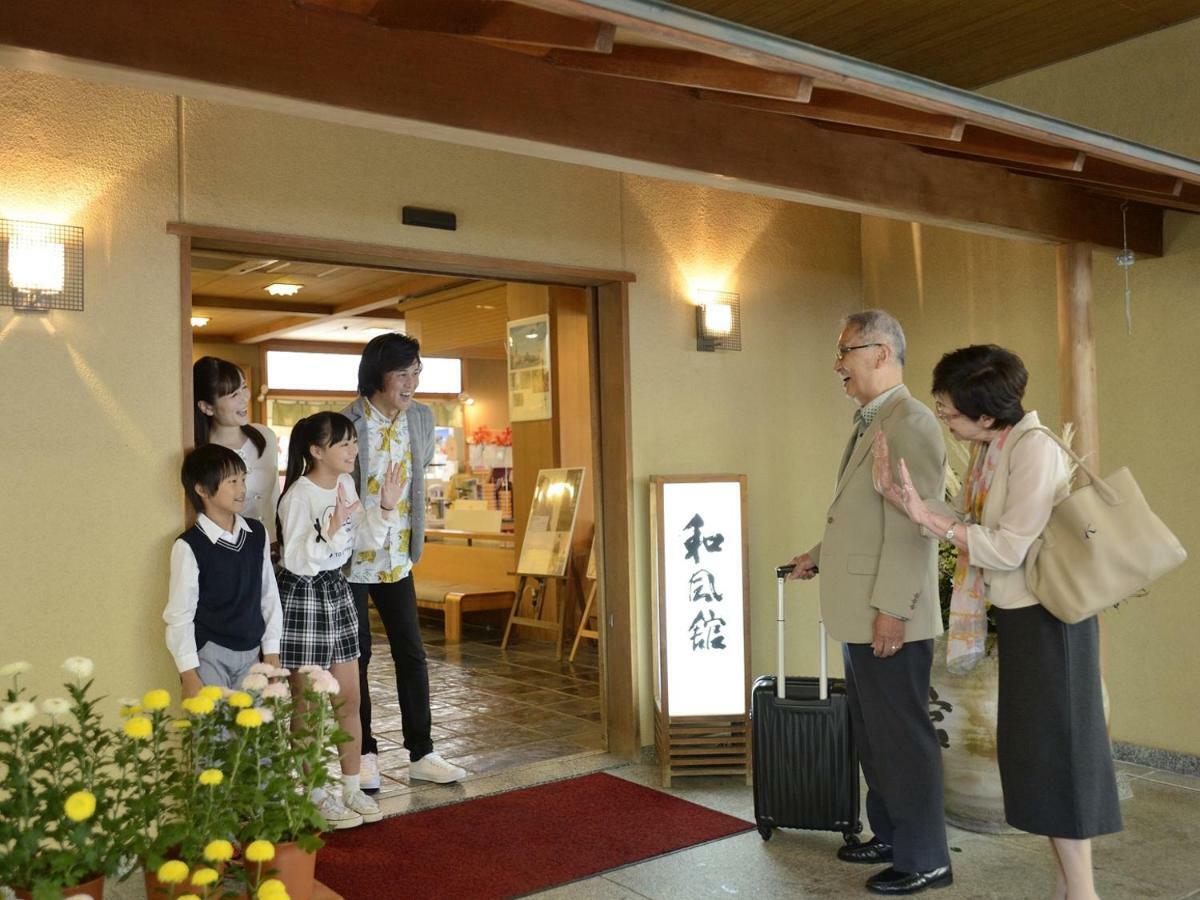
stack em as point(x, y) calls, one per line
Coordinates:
point(223, 605)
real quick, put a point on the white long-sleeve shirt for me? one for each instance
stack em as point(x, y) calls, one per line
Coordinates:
point(262, 479)
point(183, 595)
point(304, 514)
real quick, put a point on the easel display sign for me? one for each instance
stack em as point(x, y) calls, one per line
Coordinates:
point(701, 582)
point(529, 369)
point(546, 549)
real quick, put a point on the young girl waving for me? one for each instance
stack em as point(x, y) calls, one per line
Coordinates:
point(321, 526)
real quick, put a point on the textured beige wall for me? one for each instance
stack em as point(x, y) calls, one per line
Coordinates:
point(89, 401)
point(773, 411)
point(952, 289)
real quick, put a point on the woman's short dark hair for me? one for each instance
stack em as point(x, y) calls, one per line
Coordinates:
point(983, 380)
point(208, 466)
point(384, 354)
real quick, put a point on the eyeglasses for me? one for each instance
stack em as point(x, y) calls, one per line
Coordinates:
point(943, 413)
point(842, 351)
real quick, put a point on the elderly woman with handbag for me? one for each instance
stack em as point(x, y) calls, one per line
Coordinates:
point(1051, 740)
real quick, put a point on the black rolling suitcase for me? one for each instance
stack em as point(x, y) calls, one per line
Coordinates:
point(805, 764)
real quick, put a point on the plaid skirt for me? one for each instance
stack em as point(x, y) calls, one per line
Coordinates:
point(320, 626)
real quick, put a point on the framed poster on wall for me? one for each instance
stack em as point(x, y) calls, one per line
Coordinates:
point(701, 623)
point(528, 345)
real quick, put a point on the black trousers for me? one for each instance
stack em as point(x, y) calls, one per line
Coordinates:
point(397, 605)
point(899, 752)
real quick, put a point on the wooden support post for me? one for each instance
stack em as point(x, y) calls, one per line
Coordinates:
point(1077, 360)
point(1077, 349)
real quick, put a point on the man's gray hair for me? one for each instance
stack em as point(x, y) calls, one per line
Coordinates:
point(878, 325)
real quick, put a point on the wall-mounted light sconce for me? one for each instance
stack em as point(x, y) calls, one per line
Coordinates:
point(466, 399)
point(718, 321)
point(41, 266)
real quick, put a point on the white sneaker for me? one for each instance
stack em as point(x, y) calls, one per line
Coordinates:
point(431, 767)
point(334, 811)
point(368, 772)
point(358, 802)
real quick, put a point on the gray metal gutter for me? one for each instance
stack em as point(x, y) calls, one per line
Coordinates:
point(882, 80)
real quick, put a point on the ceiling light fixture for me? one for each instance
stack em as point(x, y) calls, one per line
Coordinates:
point(280, 289)
point(200, 321)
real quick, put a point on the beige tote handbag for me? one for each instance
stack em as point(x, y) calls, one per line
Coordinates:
point(1102, 545)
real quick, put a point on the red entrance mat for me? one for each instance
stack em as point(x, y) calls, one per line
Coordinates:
point(514, 843)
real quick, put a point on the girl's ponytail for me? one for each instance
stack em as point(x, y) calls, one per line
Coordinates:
point(298, 460)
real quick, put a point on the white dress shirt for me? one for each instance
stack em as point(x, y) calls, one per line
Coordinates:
point(184, 595)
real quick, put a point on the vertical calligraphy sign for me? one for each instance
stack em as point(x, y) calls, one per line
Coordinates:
point(700, 580)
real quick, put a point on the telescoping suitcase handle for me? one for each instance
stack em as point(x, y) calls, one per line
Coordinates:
point(781, 574)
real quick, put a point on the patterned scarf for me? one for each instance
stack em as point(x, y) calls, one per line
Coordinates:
point(966, 638)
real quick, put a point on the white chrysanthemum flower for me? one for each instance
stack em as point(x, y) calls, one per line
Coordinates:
point(79, 667)
point(17, 714)
point(277, 691)
point(280, 672)
point(267, 714)
point(20, 667)
point(324, 683)
point(261, 668)
point(56, 706)
point(254, 682)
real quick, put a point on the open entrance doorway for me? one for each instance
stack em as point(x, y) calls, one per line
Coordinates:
point(294, 315)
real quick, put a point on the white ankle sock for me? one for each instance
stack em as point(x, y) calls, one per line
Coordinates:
point(349, 783)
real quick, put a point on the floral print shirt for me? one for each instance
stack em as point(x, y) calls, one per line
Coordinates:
point(389, 443)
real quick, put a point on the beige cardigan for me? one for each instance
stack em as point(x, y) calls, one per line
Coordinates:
point(1031, 478)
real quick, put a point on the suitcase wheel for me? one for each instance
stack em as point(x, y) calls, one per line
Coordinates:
point(764, 831)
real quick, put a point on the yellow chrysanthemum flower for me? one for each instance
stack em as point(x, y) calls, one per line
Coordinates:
point(260, 851)
point(173, 871)
point(240, 700)
point(272, 889)
point(249, 718)
point(130, 709)
point(211, 777)
point(218, 851)
point(156, 699)
point(181, 724)
point(138, 727)
point(198, 706)
point(80, 806)
point(188, 897)
point(211, 692)
point(205, 876)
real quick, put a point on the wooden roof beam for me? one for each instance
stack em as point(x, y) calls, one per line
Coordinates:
point(1102, 173)
point(375, 300)
point(253, 305)
point(495, 20)
point(686, 68)
point(850, 109)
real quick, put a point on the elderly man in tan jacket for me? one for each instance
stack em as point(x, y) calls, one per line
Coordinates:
point(879, 597)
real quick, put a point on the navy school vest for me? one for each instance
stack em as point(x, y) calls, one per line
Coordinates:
point(229, 611)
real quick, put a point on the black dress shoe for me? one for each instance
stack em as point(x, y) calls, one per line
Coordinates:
point(873, 851)
point(891, 881)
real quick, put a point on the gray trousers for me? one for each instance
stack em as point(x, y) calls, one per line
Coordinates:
point(223, 667)
point(899, 752)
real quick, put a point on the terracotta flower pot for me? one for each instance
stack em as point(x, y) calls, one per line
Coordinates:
point(93, 888)
point(291, 865)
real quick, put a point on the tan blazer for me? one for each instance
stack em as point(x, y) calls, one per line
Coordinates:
point(872, 557)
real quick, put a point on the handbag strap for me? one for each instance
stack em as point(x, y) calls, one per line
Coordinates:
point(1107, 494)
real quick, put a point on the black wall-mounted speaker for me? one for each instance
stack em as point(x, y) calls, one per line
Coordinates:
point(429, 218)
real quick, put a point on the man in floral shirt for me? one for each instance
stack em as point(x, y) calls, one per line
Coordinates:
point(394, 429)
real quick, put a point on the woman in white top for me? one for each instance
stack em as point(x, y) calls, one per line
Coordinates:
point(1051, 739)
point(222, 416)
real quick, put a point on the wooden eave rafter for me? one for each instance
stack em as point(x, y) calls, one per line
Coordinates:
point(274, 47)
point(492, 20)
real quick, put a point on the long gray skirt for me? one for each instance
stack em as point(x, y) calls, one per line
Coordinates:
point(1055, 759)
